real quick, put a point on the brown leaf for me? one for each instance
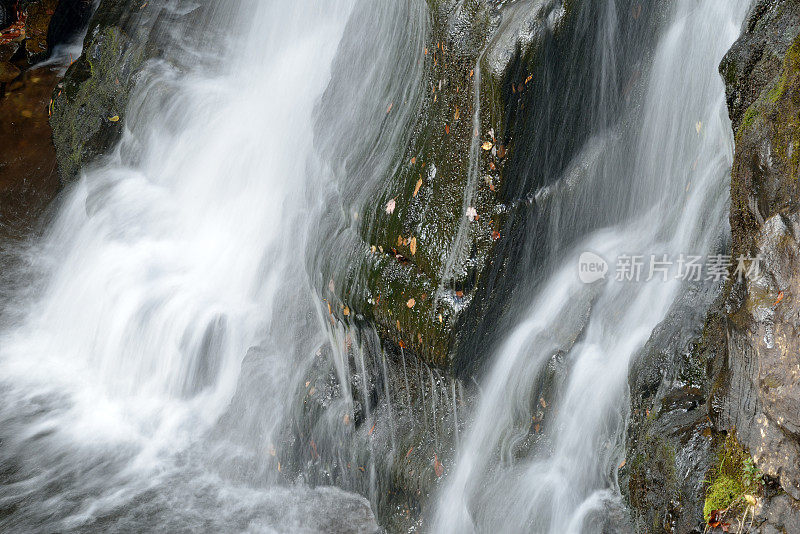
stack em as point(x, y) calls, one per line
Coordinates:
point(437, 466)
point(419, 184)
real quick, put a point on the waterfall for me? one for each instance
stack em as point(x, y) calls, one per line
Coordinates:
point(544, 448)
point(167, 314)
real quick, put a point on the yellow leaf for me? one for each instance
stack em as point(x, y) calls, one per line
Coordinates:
point(456, 115)
point(440, 318)
point(115, 118)
point(413, 244)
point(346, 311)
point(487, 145)
point(419, 184)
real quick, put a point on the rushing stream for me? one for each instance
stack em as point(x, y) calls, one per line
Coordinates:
point(667, 192)
point(155, 337)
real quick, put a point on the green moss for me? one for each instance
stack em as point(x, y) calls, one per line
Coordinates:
point(734, 476)
point(749, 118)
point(721, 494)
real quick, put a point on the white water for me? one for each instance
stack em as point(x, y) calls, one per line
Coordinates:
point(166, 263)
point(678, 178)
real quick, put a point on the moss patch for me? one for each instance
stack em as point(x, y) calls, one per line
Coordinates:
point(734, 476)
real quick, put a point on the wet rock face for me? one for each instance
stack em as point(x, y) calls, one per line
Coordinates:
point(762, 396)
point(428, 231)
point(757, 391)
point(89, 106)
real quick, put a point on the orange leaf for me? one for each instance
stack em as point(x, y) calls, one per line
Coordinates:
point(419, 184)
point(371, 430)
point(447, 128)
point(437, 466)
point(413, 245)
point(390, 107)
point(411, 303)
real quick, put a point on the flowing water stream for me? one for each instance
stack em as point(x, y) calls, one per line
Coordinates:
point(133, 398)
point(667, 191)
point(152, 344)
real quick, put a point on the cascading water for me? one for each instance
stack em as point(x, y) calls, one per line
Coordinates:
point(159, 338)
point(664, 191)
point(147, 366)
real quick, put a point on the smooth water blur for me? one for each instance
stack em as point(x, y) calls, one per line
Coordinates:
point(666, 193)
point(147, 365)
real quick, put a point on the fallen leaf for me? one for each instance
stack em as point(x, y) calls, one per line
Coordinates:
point(390, 107)
point(411, 303)
point(622, 464)
point(460, 294)
point(347, 418)
point(115, 118)
point(780, 298)
point(409, 452)
point(346, 311)
point(416, 189)
point(371, 430)
point(456, 115)
point(542, 403)
point(447, 128)
point(390, 206)
point(437, 466)
point(472, 213)
point(413, 245)
point(529, 78)
point(441, 319)
point(413, 160)
point(698, 126)
point(487, 145)
point(495, 235)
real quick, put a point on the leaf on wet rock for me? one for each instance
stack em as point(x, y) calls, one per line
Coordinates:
point(390, 206)
point(413, 245)
point(487, 145)
point(416, 189)
point(438, 468)
point(472, 213)
point(411, 303)
point(115, 118)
